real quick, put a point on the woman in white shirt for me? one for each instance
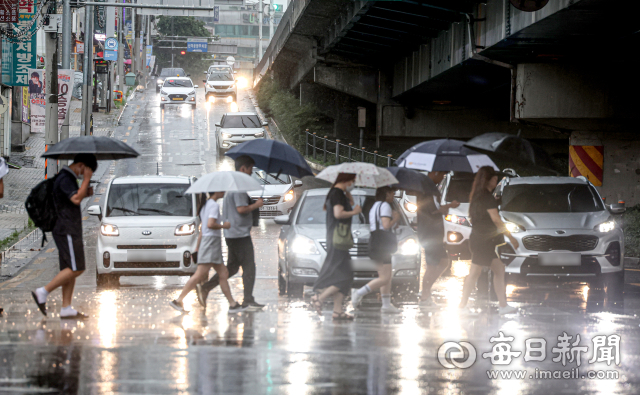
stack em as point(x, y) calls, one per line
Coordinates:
point(381, 217)
point(209, 254)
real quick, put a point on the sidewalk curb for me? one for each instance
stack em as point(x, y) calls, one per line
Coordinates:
point(121, 112)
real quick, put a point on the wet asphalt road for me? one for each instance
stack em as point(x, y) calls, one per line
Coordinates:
point(135, 344)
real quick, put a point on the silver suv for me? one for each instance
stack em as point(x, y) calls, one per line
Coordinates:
point(564, 229)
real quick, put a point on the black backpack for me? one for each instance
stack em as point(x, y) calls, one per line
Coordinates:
point(41, 207)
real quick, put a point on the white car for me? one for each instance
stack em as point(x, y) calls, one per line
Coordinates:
point(237, 127)
point(220, 85)
point(279, 193)
point(148, 226)
point(220, 68)
point(178, 90)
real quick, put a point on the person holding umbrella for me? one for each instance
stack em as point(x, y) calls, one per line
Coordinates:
point(4, 169)
point(209, 253)
point(67, 233)
point(487, 233)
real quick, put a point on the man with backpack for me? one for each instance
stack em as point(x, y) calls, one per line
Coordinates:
point(67, 232)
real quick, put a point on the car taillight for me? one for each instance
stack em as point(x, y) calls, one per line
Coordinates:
point(106, 259)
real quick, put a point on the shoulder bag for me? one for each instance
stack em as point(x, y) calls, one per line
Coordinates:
point(382, 243)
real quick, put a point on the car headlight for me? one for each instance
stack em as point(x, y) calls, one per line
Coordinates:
point(109, 230)
point(259, 134)
point(163, 92)
point(288, 196)
point(185, 229)
point(606, 226)
point(409, 247)
point(193, 92)
point(160, 81)
point(513, 228)
point(410, 207)
point(303, 245)
point(457, 219)
point(225, 135)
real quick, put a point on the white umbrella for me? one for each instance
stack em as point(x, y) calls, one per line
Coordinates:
point(224, 181)
point(4, 169)
point(367, 175)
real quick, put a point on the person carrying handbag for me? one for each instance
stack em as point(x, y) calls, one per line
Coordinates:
point(382, 244)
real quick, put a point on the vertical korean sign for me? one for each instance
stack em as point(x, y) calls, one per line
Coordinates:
point(18, 58)
point(9, 11)
point(65, 87)
point(37, 89)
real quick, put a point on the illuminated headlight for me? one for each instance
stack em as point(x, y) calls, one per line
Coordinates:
point(259, 134)
point(409, 247)
point(185, 229)
point(109, 230)
point(457, 219)
point(225, 135)
point(303, 245)
point(606, 226)
point(163, 99)
point(160, 81)
point(513, 228)
point(410, 207)
point(288, 196)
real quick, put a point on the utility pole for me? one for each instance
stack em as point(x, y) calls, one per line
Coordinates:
point(136, 41)
point(121, 43)
point(87, 74)
point(66, 57)
point(51, 80)
point(260, 15)
point(271, 15)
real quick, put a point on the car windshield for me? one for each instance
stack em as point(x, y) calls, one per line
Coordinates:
point(149, 199)
point(241, 121)
point(220, 77)
point(171, 72)
point(550, 198)
point(459, 189)
point(268, 179)
point(177, 84)
point(311, 212)
point(219, 69)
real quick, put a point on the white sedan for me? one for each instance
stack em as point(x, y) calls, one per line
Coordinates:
point(148, 226)
point(279, 193)
point(178, 90)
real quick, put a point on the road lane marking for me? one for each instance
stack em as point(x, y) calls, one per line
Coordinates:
point(130, 127)
point(633, 270)
point(126, 134)
point(50, 250)
point(23, 277)
point(85, 218)
point(39, 260)
point(124, 140)
point(636, 284)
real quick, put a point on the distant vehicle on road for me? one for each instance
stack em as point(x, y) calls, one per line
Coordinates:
point(220, 68)
point(279, 193)
point(178, 90)
point(168, 72)
point(148, 227)
point(564, 229)
point(237, 127)
point(220, 85)
point(301, 246)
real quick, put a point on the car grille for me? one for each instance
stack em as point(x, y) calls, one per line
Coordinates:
point(222, 87)
point(268, 200)
point(574, 243)
point(145, 265)
point(360, 274)
point(358, 249)
point(178, 97)
point(270, 214)
point(148, 247)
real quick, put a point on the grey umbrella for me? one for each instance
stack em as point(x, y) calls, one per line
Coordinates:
point(510, 147)
point(104, 148)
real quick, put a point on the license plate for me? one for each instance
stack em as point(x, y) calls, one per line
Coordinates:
point(177, 98)
point(146, 256)
point(559, 259)
point(268, 208)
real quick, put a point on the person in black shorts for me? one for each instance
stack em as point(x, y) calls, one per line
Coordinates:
point(487, 233)
point(67, 232)
point(431, 236)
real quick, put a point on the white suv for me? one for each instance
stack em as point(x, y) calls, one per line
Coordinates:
point(237, 127)
point(148, 226)
point(178, 90)
point(220, 85)
point(279, 193)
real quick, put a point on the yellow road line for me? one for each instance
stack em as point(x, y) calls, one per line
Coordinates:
point(50, 250)
point(130, 127)
point(633, 270)
point(39, 260)
point(637, 285)
point(85, 218)
point(25, 276)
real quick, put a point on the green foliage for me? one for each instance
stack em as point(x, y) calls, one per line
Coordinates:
point(292, 118)
point(182, 26)
point(631, 220)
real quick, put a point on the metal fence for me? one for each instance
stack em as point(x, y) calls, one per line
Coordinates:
point(327, 150)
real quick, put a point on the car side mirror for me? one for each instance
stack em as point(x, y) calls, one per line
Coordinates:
point(617, 208)
point(205, 72)
point(297, 183)
point(265, 123)
point(195, 86)
point(281, 219)
point(188, 75)
point(217, 125)
point(204, 81)
point(95, 210)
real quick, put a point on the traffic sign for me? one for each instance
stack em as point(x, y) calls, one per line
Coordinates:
point(111, 44)
point(110, 55)
point(197, 45)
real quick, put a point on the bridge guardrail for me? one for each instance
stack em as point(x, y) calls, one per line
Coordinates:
point(318, 147)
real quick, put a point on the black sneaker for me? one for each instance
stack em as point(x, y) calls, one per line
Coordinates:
point(237, 308)
point(202, 295)
point(178, 306)
point(252, 306)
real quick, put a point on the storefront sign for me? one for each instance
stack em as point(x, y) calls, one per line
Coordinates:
point(37, 89)
point(65, 88)
point(9, 11)
point(25, 105)
point(18, 58)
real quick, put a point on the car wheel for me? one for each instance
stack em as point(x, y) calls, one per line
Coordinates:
point(295, 290)
point(614, 286)
point(282, 283)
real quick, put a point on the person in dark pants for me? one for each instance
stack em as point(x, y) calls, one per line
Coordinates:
point(236, 209)
point(67, 232)
point(431, 236)
point(4, 169)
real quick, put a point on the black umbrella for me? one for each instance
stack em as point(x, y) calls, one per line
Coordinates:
point(273, 157)
point(104, 148)
point(509, 147)
point(444, 155)
point(413, 181)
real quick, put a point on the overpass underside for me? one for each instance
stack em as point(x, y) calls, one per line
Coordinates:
point(459, 68)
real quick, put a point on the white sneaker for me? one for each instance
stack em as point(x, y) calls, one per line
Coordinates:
point(391, 309)
point(507, 310)
point(355, 298)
